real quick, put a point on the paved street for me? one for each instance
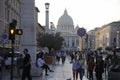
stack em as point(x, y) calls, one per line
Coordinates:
point(61, 72)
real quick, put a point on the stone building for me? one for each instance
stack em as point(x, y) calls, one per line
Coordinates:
point(66, 28)
point(108, 36)
point(9, 9)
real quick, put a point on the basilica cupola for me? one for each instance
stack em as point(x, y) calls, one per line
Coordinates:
point(65, 22)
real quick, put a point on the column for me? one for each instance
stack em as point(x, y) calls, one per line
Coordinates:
point(28, 39)
point(47, 18)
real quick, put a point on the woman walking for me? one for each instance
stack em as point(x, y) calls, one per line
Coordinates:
point(75, 68)
point(81, 66)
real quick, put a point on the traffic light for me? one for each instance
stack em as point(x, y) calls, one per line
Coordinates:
point(13, 30)
point(12, 27)
point(19, 31)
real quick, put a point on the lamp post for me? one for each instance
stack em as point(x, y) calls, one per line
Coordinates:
point(93, 44)
point(118, 38)
point(47, 18)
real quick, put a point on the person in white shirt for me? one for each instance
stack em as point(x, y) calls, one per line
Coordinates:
point(43, 65)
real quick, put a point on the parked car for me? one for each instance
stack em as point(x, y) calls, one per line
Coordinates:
point(114, 72)
point(16, 56)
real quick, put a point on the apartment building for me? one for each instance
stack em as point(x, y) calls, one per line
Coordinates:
point(9, 9)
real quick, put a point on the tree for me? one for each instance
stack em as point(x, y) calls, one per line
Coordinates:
point(50, 41)
point(99, 48)
point(108, 48)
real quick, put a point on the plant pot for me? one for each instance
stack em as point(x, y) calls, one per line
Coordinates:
point(48, 59)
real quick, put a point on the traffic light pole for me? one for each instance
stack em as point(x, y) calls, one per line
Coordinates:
point(12, 32)
point(11, 77)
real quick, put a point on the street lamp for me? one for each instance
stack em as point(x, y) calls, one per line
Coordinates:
point(93, 44)
point(47, 18)
point(118, 38)
point(47, 5)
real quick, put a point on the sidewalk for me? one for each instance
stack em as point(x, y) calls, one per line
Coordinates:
point(61, 72)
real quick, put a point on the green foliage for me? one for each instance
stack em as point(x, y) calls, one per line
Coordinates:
point(108, 48)
point(115, 60)
point(50, 40)
point(99, 48)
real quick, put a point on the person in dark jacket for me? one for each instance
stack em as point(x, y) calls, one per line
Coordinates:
point(91, 66)
point(99, 69)
point(26, 65)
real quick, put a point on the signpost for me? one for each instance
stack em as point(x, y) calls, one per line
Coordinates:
point(81, 32)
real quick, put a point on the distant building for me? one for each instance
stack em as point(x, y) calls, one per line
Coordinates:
point(39, 27)
point(66, 28)
point(108, 36)
point(91, 39)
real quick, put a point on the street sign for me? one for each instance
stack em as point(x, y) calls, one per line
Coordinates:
point(81, 32)
point(4, 36)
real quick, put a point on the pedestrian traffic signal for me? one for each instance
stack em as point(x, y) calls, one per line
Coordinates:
point(19, 31)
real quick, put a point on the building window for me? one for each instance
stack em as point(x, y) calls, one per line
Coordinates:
point(73, 44)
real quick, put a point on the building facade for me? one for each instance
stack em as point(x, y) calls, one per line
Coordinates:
point(9, 10)
point(66, 28)
point(108, 36)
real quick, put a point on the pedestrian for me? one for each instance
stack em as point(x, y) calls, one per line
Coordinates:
point(71, 56)
point(81, 66)
point(99, 68)
point(75, 68)
point(91, 66)
point(1, 63)
point(43, 65)
point(26, 65)
point(88, 57)
point(63, 56)
point(58, 55)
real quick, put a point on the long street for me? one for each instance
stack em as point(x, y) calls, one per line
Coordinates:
point(61, 72)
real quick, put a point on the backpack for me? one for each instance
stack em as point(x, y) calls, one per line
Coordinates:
point(91, 65)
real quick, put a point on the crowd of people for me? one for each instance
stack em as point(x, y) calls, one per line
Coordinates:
point(87, 60)
point(92, 61)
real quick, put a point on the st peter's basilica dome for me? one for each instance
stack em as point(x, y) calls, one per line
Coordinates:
point(65, 19)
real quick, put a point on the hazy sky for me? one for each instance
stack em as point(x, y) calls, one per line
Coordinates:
point(85, 13)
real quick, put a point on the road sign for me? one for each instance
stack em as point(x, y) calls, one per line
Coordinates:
point(81, 32)
point(4, 36)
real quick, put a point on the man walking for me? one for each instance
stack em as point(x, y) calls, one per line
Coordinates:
point(26, 65)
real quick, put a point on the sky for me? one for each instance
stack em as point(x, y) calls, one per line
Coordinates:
point(85, 13)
